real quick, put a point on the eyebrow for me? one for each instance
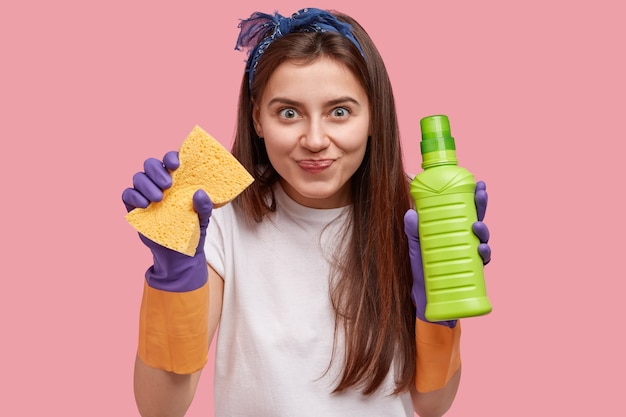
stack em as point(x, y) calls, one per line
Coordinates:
point(333, 102)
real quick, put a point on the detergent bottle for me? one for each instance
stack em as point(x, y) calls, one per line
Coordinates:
point(444, 200)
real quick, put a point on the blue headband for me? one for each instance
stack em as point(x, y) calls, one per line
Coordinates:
point(260, 25)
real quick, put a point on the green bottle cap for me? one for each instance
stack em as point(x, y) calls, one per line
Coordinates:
point(436, 134)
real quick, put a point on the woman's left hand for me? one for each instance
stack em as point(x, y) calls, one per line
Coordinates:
point(479, 228)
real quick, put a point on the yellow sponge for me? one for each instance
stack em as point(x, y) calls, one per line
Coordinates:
point(204, 164)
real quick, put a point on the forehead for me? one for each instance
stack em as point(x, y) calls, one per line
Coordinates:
point(321, 77)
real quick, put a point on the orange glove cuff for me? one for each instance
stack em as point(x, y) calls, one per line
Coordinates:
point(438, 354)
point(174, 329)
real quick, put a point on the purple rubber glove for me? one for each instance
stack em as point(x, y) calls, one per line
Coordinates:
point(172, 271)
point(418, 293)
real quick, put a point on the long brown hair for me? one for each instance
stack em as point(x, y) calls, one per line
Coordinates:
point(371, 296)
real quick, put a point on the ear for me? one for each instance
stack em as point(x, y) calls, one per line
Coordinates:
point(256, 116)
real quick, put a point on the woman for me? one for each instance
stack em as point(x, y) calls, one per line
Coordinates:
point(307, 272)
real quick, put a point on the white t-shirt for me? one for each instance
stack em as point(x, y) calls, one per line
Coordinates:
point(276, 333)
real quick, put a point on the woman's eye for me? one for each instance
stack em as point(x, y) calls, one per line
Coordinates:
point(340, 112)
point(288, 113)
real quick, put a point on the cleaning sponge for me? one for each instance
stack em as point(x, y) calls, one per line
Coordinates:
point(204, 164)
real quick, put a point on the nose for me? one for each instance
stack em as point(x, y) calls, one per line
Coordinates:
point(315, 138)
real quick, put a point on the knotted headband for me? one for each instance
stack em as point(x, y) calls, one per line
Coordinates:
point(261, 29)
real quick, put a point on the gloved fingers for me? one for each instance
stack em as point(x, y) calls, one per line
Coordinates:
point(171, 161)
point(411, 225)
point(481, 231)
point(144, 185)
point(156, 171)
point(133, 199)
point(484, 250)
point(148, 186)
point(203, 205)
point(480, 197)
point(479, 228)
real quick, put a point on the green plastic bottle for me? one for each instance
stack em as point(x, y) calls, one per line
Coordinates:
point(444, 200)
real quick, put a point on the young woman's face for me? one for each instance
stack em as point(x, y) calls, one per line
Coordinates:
point(315, 121)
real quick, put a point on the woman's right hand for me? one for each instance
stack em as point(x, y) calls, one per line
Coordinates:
point(172, 271)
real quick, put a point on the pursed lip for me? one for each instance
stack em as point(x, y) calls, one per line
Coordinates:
point(315, 165)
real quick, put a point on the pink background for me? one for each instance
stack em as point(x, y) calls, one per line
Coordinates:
point(535, 93)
